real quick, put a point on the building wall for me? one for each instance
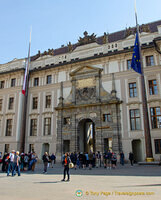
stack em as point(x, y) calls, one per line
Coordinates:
point(116, 63)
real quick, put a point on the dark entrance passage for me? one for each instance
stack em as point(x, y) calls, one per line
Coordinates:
point(86, 136)
point(66, 146)
point(137, 150)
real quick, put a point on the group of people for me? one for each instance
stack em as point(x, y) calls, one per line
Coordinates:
point(27, 161)
point(14, 162)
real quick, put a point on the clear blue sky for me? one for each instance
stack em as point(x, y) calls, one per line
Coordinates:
point(56, 22)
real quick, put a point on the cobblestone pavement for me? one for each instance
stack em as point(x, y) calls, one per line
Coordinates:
point(125, 183)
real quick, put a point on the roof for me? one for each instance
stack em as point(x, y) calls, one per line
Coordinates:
point(113, 37)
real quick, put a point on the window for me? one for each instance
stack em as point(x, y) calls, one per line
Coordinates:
point(106, 118)
point(47, 126)
point(135, 119)
point(48, 79)
point(155, 117)
point(13, 82)
point(149, 60)
point(132, 90)
point(153, 87)
point(31, 148)
point(9, 127)
point(66, 120)
point(1, 101)
point(11, 103)
point(36, 81)
point(48, 101)
point(33, 129)
point(157, 143)
point(129, 64)
point(6, 148)
point(34, 103)
point(2, 84)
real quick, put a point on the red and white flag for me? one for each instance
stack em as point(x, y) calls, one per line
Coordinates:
point(26, 70)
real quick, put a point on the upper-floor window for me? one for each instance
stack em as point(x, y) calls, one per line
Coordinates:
point(1, 102)
point(47, 126)
point(35, 103)
point(129, 64)
point(149, 60)
point(153, 87)
point(13, 82)
point(11, 103)
point(135, 119)
point(33, 127)
point(48, 101)
point(106, 117)
point(48, 79)
point(132, 90)
point(155, 117)
point(9, 127)
point(2, 84)
point(36, 81)
point(157, 143)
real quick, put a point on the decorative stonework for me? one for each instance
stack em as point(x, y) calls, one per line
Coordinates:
point(87, 39)
point(85, 94)
point(86, 104)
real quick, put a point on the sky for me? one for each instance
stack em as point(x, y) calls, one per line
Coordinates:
point(56, 22)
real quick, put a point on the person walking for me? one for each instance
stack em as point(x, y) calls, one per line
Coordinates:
point(122, 158)
point(131, 158)
point(52, 158)
point(17, 165)
point(45, 159)
point(66, 162)
point(12, 162)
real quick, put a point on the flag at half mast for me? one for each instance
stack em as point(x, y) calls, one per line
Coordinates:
point(136, 63)
point(25, 81)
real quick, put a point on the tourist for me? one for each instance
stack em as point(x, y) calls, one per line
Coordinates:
point(17, 165)
point(122, 158)
point(114, 160)
point(66, 162)
point(52, 158)
point(90, 157)
point(131, 158)
point(109, 159)
point(45, 159)
point(12, 163)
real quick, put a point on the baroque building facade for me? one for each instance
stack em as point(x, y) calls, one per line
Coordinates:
point(84, 97)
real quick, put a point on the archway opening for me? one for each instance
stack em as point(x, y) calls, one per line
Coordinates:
point(86, 136)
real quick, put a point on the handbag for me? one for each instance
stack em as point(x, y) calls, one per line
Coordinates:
point(71, 165)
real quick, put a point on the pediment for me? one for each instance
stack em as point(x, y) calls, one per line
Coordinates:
point(86, 69)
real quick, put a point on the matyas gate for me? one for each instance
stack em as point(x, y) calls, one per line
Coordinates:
point(89, 118)
point(85, 97)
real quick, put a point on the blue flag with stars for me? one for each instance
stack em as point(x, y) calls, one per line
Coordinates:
point(135, 63)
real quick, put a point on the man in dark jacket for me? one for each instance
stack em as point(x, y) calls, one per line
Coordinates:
point(66, 161)
point(131, 158)
point(45, 159)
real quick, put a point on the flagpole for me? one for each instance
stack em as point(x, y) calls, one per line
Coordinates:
point(25, 93)
point(148, 145)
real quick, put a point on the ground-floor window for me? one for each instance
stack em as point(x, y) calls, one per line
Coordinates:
point(157, 143)
point(31, 148)
point(6, 148)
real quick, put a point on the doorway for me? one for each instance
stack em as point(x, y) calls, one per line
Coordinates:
point(137, 150)
point(86, 136)
point(45, 148)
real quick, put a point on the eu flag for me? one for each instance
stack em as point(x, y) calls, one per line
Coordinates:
point(135, 63)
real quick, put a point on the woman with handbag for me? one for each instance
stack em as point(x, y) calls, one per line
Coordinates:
point(66, 162)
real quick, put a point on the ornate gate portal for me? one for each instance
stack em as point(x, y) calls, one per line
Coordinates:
point(89, 116)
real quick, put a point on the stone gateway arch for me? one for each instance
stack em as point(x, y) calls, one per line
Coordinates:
point(89, 118)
